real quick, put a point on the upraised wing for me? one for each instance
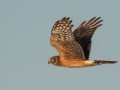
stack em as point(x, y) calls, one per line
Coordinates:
point(84, 32)
point(63, 41)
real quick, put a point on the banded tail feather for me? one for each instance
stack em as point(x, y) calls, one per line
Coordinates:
point(99, 62)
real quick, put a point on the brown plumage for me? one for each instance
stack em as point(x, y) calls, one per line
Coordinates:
point(74, 47)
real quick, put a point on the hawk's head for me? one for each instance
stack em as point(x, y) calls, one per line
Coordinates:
point(54, 60)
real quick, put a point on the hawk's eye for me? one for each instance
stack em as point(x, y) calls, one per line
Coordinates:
point(52, 60)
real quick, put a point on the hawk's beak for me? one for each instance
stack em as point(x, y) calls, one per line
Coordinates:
point(49, 62)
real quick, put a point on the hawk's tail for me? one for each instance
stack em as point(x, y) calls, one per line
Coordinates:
point(99, 62)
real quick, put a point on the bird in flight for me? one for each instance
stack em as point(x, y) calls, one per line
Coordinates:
point(74, 47)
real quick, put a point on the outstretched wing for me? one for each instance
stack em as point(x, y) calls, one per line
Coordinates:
point(84, 32)
point(63, 41)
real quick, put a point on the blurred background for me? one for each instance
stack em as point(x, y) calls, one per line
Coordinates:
point(25, 27)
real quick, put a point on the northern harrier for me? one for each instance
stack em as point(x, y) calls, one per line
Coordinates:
point(74, 47)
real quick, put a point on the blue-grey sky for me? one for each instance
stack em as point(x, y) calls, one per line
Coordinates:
point(25, 27)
